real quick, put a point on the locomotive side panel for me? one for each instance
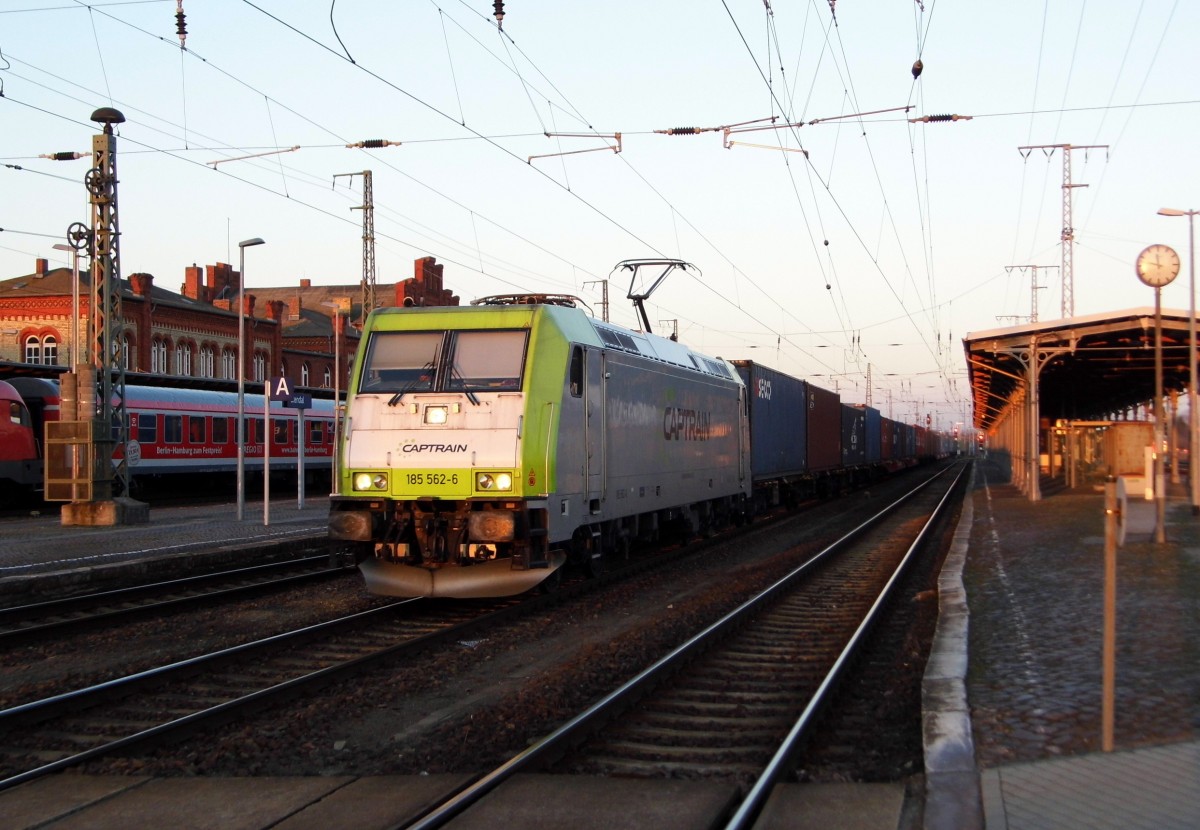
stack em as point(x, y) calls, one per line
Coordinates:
point(672, 436)
point(778, 422)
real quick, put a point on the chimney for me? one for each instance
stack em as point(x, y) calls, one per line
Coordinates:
point(275, 309)
point(191, 282)
point(248, 307)
point(294, 305)
point(306, 283)
point(41, 266)
point(141, 284)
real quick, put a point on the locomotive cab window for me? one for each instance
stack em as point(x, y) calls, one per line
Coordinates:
point(399, 361)
point(487, 360)
point(458, 361)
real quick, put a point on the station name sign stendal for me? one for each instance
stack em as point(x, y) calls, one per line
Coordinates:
point(280, 389)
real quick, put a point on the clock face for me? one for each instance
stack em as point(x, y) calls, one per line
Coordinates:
point(1157, 265)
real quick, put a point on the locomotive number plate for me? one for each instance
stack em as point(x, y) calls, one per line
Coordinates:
point(423, 479)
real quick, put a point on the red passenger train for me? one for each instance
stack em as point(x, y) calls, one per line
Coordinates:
point(172, 432)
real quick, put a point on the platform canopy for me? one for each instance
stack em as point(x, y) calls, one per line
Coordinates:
point(1091, 366)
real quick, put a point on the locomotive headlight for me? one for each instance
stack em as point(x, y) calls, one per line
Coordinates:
point(493, 482)
point(370, 481)
point(436, 414)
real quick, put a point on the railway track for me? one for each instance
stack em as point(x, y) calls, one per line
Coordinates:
point(737, 700)
point(167, 703)
point(60, 616)
point(159, 705)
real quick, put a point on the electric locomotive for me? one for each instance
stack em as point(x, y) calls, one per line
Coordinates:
point(486, 445)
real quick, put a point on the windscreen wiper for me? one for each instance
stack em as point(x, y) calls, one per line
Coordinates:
point(411, 385)
point(454, 371)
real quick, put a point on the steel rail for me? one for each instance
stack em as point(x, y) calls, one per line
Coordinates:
point(751, 806)
point(80, 604)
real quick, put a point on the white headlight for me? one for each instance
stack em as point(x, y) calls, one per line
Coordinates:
point(436, 414)
point(493, 482)
point(370, 481)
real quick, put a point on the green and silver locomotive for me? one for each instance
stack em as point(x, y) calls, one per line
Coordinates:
point(485, 446)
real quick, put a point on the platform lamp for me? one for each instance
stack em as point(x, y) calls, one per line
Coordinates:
point(241, 375)
point(1193, 422)
point(337, 392)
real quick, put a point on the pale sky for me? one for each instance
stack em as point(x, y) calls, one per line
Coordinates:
point(914, 227)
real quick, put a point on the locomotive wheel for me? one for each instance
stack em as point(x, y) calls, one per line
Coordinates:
point(597, 563)
point(551, 583)
point(588, 551)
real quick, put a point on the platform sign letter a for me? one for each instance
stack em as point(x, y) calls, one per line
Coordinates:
point(281, 390)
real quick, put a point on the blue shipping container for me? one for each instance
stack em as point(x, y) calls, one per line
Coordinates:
point(854, 436)
point(778, 422)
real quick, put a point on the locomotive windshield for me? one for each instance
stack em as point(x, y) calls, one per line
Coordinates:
point(454, 361)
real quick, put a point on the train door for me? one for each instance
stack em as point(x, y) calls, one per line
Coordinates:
point(594, 427)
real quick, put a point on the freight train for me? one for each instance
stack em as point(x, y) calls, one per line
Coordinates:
point(172, 433)
point(485, 446)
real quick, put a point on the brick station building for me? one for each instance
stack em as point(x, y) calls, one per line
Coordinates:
point(170, 337)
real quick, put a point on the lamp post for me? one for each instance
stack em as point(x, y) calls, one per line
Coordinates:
point(337, 394)
point(241, 374)
point(1193, 422)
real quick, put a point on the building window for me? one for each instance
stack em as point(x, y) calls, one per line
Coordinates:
point(183, 359)
point(304, 373)
point(260, 366)
point(328, 378)
point(42, 350)
point(228, 364)
point(125, 364)
point(158, 356)
point(207, 362)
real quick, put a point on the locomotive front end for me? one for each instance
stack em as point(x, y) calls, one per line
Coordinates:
point(445, 465)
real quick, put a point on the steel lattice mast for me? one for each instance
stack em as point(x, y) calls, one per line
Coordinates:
point(106, 326)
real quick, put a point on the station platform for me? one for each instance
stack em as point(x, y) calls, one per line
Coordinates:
point(39, 556)
point(1012, 697)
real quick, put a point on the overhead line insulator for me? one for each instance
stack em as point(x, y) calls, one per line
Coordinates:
point(64, 156)
point(181, 24)
point(929, 119)
point(374, 144)
point(681, 131)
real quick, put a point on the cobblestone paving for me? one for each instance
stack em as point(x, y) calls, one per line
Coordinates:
point(1034, 582)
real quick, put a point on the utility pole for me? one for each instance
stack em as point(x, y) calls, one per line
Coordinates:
point(368, 264)
point(1033, 308)
point(1068, 231)
point(604, 297)
point(869, 386)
